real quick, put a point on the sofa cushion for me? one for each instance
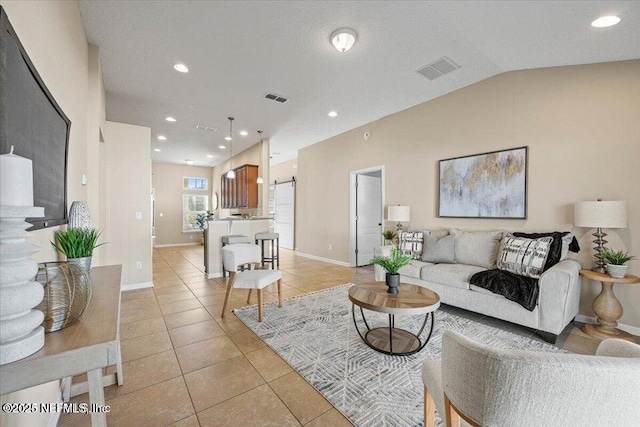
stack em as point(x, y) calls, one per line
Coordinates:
point(522, 256)
point(478, 248)
point(438, 249)
point(413, 269)
point(410, 243)
point(456, 275)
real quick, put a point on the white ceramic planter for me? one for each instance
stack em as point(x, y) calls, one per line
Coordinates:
point(617, 271)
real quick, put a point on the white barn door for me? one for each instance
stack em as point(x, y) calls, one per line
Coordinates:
point(285, 197)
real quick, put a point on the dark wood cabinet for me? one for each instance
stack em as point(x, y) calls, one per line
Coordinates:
point(242, 191)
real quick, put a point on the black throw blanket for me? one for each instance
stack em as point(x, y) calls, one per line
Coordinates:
point(521, 289)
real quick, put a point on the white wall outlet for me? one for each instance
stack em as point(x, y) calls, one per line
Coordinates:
point(138, 265)
point(138, 215)
point(330, 247)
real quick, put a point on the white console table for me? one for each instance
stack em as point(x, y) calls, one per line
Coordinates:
point(88, 346)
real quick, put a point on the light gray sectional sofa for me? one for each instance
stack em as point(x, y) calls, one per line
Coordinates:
point(559, 286)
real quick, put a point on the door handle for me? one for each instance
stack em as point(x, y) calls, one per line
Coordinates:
point(380, 224)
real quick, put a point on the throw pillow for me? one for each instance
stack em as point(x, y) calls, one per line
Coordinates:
point(563, 242)
point(438, 249)
point(410, 243)
point(525, 257)
point(477, 247)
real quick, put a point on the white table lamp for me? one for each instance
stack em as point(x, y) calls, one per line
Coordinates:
point(400, 214)
point(600, 214)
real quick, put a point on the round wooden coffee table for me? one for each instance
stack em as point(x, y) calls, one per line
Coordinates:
point(410, 299)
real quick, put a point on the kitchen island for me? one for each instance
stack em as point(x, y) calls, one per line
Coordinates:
point(218, 228)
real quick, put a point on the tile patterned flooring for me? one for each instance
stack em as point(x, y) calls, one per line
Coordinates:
point(185, 365)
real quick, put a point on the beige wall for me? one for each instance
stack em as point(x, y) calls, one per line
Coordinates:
point(168, 188)
point(128, 192)
point(582, 126)
point(284, 171)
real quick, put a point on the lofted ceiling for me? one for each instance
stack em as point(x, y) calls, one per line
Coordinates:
point(239, 50)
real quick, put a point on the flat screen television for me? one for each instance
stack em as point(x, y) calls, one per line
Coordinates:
point(32, 121)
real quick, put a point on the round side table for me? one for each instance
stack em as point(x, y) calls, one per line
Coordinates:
point(607, 307)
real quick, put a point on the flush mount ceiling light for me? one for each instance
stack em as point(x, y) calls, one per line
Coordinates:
point(230, 174)
point(332, 114)
point(222, 147)
point(606, 21)
point(181, 68)
point(157, 150)
point(343, 39)
point(189, 161)
point(244, 133)
point(170, 119)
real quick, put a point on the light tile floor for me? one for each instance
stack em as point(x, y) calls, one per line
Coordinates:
point(184, 365)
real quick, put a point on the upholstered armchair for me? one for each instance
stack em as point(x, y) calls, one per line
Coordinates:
point(485, 386)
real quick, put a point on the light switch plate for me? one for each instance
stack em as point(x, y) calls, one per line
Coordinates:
point(138, 215)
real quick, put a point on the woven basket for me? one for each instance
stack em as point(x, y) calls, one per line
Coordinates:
point(67, 292)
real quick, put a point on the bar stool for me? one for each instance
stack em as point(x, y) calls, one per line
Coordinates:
point(274, 238)
point(232, 239)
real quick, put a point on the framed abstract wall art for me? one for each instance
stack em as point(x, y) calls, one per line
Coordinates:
point(488, 185)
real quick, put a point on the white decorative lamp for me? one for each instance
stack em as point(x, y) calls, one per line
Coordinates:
point(600, 214)
point(400, 214)
point(20, 332)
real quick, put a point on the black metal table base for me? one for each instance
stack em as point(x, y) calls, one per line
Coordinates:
point(381, 339)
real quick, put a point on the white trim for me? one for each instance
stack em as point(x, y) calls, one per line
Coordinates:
point(134, 286)
point(330, 261)
point(214, 275)
point(352, 207)
point(634, 330)
point(168, 245)
point(191, 230)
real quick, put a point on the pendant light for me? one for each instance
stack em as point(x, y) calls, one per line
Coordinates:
point(230, 174)
point(259, 180)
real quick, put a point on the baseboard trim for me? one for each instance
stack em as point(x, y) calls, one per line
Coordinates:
point(134, 286)
point(634, 330)
point(168, 245)
point(214, 275)
point(318, 258)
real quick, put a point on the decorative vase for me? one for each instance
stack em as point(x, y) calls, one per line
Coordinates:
point(79, 215)
point(617, 271)
point(393, 280)
point(84, 262)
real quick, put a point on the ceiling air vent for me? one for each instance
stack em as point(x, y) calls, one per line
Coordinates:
point(438, 68)
point(207, 128)
point(277, 98)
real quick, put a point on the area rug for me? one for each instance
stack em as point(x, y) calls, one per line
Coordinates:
point(315, 334)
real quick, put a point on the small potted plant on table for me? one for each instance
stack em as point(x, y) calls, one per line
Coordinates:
point(389, 235)
point(616, 262)
point(77, 244)
point(392, 264)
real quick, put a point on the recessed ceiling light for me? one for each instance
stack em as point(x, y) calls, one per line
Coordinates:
point(343, 39)
point(181, 67)
point(333, 114)
point(244, 133)
point(222, 147)
point(157, 150)
point(228, 138)
point(189, 162)
point(606, 21)
point(162, 137)
point(210, 156)
point(170, 119)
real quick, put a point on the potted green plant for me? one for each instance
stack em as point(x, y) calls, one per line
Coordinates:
point(616, 262)
point(388, 235)
point(201, 221)
point(77, 244)
point(392, 264)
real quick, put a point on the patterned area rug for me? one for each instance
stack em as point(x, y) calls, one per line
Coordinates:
point(315, 334)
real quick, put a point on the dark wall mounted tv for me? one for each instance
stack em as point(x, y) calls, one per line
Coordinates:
point(32, 121)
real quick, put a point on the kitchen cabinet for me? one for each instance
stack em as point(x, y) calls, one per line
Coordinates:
point(242, 191)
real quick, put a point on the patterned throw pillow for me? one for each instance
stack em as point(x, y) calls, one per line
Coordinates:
point(522, 256)
point(410, 243)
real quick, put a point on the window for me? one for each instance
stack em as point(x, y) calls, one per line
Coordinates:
point(194, 183)
point(192, 205)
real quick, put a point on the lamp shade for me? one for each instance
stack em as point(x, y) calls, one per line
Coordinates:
point(601, 214)
point(398, 213)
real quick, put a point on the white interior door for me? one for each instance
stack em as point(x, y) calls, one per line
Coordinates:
point(368, 217)
point(285, 198)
